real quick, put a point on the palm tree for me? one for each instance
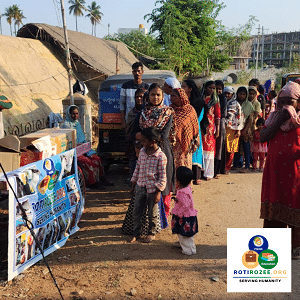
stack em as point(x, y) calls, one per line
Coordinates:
point(76, 8)
point(9, 16)
point(94, 15)
point(17, 16)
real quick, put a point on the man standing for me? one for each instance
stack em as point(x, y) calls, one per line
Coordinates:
point(127, 101)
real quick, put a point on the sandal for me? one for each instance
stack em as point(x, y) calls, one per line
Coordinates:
point(197, 182)
point(227, 172)
point(217, 176)
point(133, 239)
point(149, 239)
point(244, 171)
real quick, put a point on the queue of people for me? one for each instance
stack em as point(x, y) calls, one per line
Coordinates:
point(177, 134)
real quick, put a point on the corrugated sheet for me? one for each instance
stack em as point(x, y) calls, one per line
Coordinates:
point(97, 53)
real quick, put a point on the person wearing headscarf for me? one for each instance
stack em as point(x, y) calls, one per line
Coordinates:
point(200, 107)
point(229, 92)
point(246, 133)
point(169, 84)
point(213, 114)
point(90, 163)
point(234, 120)
point(159, 116)
point(280, 196)
point(187, 129)
point(220, 156)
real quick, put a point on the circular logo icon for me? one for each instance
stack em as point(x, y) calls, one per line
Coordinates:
point(250, 259)
point(258, 243)
point(268, 259)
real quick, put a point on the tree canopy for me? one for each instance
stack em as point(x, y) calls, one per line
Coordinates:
point(187, 31)
point(76, 8)
point(14, 13)
point(95, 15)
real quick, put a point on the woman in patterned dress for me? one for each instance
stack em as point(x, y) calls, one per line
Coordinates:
point(212, 131)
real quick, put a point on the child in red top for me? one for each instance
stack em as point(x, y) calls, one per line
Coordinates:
point(258, 149)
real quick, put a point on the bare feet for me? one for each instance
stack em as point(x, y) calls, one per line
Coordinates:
point(133, 239)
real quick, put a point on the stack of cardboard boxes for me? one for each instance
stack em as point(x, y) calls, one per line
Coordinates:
point(16, 152)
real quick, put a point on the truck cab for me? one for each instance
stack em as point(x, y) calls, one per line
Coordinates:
point(289, 77)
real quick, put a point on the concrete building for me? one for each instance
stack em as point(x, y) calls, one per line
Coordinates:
point(128, 30)
point(276, 49)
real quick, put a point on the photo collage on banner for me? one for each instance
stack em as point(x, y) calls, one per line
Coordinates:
point(49, 193)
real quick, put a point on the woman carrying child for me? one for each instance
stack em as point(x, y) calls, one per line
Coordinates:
point(258, 149)
point(184, 219)
point(280, 197)
point(148, 181)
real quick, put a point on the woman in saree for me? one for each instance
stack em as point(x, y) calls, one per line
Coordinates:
point(280, 194)
point(187, 129)
point(213, 129)
point(200, 107)
point(90, 163)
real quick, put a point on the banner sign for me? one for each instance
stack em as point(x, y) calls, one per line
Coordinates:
point(49, 192)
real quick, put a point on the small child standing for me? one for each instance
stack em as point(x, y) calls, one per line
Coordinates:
point(148, 180)
point(258, 149)
point(184, 219)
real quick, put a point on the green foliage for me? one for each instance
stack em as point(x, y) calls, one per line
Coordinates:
point(244, 77)
point(76, 9)
point(231, 39)
point(95, 15)
point(14, 13)
point(140, 43)
point(187, 31)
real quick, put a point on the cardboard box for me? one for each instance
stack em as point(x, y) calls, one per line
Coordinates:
point(40, 149)
point(9, 153)
point(65, 139)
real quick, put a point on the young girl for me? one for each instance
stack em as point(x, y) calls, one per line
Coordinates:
point(148, 180)
point(184, 219)
point(258, 149)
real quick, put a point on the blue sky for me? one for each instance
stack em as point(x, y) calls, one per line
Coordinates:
point(274, 15)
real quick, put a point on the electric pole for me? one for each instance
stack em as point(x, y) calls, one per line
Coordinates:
point(257, 47)
point(262, 47)
point(67, 53)
point(291, 53)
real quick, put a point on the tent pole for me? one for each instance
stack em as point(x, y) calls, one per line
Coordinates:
point(67, 53)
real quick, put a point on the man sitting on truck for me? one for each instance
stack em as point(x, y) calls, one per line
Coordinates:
point(127, 100)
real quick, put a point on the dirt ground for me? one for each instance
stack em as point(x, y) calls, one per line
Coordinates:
point(98, 262)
